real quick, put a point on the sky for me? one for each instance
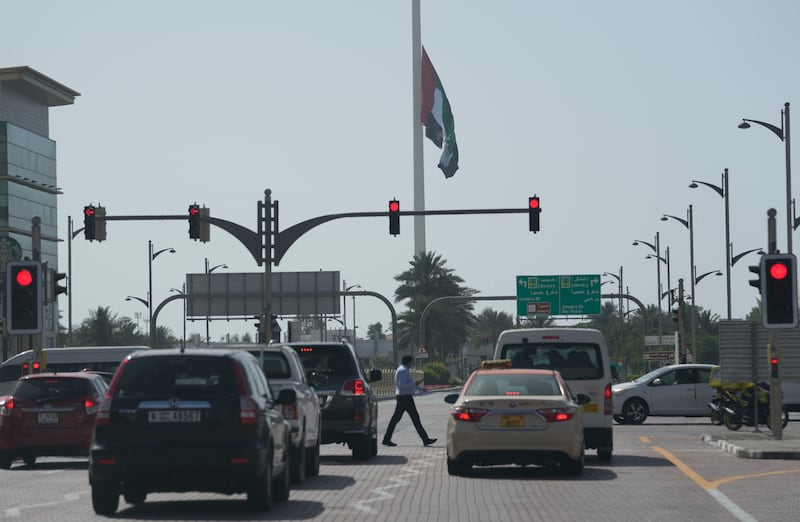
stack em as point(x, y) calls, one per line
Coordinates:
point(605, 110)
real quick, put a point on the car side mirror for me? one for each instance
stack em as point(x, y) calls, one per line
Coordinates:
point(582, 398)
point(657, 382)
point(375, 375)
point(451, 398)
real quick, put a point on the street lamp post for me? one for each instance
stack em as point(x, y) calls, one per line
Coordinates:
point(724, 193)
point(344, 309)
point(146, 303)
point(781, 132)
point(150, 258)
point(665, 260)
point(182, 291)
point(689, 224)
point(621, 313)
point(208, 271)
point(657, 249)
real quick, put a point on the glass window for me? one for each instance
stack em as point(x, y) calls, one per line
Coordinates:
point(54, 388)
point(575, 361)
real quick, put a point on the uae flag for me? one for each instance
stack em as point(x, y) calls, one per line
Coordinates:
point(437, 118)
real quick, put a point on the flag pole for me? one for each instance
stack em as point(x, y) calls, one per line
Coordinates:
point(419, 168)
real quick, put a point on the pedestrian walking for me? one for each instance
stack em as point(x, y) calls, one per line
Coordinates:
point(406, 387)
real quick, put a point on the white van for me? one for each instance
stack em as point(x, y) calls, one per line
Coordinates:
point(581, 356)
point(97, 358)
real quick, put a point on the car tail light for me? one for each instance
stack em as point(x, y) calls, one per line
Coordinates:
point(103, 417)
point(90, 405)
point(468, 414)
point(290, 411)
point(353, 387)
point(7, 408)
point(248, 412)
point(608, 401)
point(557, 414)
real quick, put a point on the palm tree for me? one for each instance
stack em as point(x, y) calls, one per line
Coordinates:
point(447, 325)
point(488, 326)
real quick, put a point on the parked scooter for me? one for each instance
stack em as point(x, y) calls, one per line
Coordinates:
point(737, 409)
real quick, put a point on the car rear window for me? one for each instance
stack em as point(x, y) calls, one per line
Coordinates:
point(334, 361)
point(575, 361)
point(274, 364)
point(500, 383)
point(55, 388)
point(177, 375)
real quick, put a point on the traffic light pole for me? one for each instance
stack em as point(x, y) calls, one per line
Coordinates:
point(775, 406)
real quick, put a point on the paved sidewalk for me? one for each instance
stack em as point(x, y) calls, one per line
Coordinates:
point(753, 444)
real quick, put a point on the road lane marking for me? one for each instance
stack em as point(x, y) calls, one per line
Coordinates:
point(14, 512)
point(709, 487)
point(382, 493)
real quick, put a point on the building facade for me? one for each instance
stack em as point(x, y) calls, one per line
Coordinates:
point(28, 183)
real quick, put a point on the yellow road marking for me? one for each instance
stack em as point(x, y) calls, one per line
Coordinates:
point(705, 484)
point(646, 440)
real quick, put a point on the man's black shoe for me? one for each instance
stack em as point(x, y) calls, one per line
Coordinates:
point(389, 443)
point(429, 442)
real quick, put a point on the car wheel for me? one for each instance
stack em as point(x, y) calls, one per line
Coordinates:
point(572, 467)
point(312, 459)
point(634, 411)
point(604, 454)
point(134, 496)
point(259, 496)
point(362, 447)
point(105, 499)
point(620, 419)
point(5, 460)
point(29, 460)
point(280, 484)
point(457, 467)
point(298, 463)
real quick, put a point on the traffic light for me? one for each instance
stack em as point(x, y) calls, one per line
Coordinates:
point(773, 367)
point(194, 221)
point(756, 269)
point(779, 291)
point(533, 213)
point(100, 223)
point(53, 288)
point(24, 297)
point(205, 225)
point(89, 231)
point(394, 217)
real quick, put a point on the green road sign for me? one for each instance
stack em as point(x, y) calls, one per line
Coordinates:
point(558, 295)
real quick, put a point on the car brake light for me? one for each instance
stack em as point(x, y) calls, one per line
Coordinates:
point(468, 414)
point(557, 414)
point(247, 411)
point(7, 407)
point(608, 402)
point(290, 411)
point(353, 387)
point(103, 417)
point(90, 405)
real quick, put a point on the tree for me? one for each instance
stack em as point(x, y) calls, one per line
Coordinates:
point(447, 325)
point(488, 326)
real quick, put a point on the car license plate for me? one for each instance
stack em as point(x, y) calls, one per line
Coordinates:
point(174, 416)
point(512, 421)
point(50, 417)
point(590, 408)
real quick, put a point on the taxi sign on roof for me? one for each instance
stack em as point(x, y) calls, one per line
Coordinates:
point(496, 364)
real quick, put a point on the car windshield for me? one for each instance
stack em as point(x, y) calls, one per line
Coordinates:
point(274, 364)
point(52, 388)
point(507, 383)
point(171, 375)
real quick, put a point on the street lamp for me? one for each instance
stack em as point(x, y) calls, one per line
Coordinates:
point(145, 302)
point(657, 249)
point(208, 271)
point(182, 292)
point(344, 309)
point(781, 132)
point(724, 193)
point(740, 255)
point(665, 260)
point(701, 276)
point(689, 224)
point(150, 258)
point(621, 316)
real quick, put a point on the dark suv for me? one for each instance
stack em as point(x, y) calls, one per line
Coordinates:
point(198, 420)
point(349, 406)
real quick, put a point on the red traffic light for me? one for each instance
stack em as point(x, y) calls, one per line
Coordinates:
point(24, 277)
point(88, 211)
point(533, 202)
point(778, 271)
point(394, 206)
point(194, 210)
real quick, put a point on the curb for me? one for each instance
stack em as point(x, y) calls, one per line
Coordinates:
point(746, 453)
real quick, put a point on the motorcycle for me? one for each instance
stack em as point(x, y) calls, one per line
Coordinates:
point(737, 409)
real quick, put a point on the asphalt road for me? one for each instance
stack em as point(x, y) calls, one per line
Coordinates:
point(661, 470)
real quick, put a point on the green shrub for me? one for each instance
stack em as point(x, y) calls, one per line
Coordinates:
point(436, 373)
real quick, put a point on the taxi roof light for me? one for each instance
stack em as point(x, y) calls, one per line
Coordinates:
point(496, 364)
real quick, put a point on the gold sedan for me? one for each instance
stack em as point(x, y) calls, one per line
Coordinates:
point(515, 416)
